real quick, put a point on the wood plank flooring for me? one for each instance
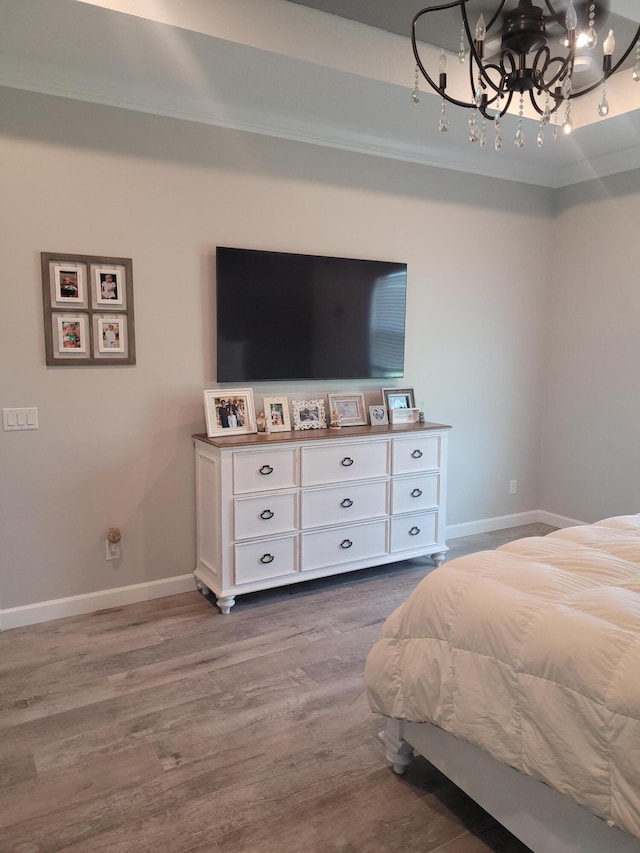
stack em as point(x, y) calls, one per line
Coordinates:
point(167, 727)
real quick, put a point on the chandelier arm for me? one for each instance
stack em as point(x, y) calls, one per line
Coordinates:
point(474, 55)
point(604, 77)
point(427, 9)
point(501, 112)
point(424, 71)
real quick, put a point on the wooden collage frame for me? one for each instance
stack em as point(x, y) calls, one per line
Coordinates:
point(88, 310)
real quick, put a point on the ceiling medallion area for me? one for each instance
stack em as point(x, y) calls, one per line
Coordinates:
point(528, 51)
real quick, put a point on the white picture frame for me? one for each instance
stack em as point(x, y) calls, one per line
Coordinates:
point(309, 414)
point(405, 416)
point(109, 284)
point(229, 411)
point(111, 334)
point(378, 416)
point(72, 334)
point(349, 408)
point(276, 412)
point(68, 282)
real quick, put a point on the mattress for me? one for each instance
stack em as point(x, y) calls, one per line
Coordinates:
point(531, 652)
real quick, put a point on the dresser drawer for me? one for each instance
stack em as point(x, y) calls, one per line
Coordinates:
point(335, 463)
point(418, 453)
point(343, 504)
point(269, 558)
point(343, 544)
point(264, 470)
point(409, 532)
point(264, 515)
point(410, 494)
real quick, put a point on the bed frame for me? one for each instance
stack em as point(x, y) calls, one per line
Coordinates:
point(542, 818)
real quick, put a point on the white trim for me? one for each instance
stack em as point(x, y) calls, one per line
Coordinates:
point(502, 522)
point(75, 605)
point(43, 611)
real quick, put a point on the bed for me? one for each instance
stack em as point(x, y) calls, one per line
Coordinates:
point(516, 672)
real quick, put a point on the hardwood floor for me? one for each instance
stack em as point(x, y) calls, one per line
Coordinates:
point(165, 726)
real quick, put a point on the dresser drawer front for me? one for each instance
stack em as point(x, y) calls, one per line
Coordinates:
point(409, 532)
point(264, 470)
point(265, 515)
point(336, 464)
point(411, 494)
point(344, 504)
point(417, 453)
point(343, 544)
point(268, 558)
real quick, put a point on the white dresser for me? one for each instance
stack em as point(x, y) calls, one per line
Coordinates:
point(281, 508)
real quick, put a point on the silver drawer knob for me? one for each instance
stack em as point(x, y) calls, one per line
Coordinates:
point(417, 454)
point(266, 469)
point(347, 461)
point(346, 543)
point(346, 503)
point(266, 514)
point(416, 493)
point(267, 558)
point(414, 531)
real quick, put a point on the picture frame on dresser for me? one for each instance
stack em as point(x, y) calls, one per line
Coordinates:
point(350, 409)
point(276, 411)
point(229, 411)
point(378, 416)
point(309, 414)
point(398, 398)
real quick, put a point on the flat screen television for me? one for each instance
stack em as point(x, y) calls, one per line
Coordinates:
point(283, 316)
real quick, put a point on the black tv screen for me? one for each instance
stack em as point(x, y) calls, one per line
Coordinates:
point(287, 316)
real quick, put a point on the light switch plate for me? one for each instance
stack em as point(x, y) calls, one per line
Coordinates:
point(14, 419)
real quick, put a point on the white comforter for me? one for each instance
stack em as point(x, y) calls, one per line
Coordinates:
point(532, 652)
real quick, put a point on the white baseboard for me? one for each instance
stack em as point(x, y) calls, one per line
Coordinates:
point(76, 605)
point(502, 522)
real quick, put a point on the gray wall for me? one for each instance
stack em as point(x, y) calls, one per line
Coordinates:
point(114, 446)
point(591, 446)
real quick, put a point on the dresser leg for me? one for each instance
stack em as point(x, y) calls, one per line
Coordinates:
point(203, 589)
point(438, 559)
point(225, 603)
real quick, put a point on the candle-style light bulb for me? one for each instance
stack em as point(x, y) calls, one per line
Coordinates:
point(442, 70)
point(571, 18)
point(609, 44)
point(481, 28)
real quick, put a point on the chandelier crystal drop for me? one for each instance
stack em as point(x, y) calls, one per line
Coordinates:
point(524, 49)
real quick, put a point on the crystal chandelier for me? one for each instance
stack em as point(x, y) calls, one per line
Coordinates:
point(535, 59)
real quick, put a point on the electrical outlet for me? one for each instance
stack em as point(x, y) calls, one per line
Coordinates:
point(513, 487)
point(113, 550)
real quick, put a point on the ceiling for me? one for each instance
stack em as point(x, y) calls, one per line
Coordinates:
point(294, 69)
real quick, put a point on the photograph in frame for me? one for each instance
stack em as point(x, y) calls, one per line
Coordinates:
point(309, 414)
point(398, 398)
point(378, 416)
point(405, 416)
point(109, 285)
point(347, 409)
point(111, 334)
point(68, 283)
point(229, 411)
point(276, 411)
point(71, 335)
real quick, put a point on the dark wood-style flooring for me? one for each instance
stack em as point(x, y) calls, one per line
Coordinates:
point(165, 726)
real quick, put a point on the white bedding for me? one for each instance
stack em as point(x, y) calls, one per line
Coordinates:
point(532, 652)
